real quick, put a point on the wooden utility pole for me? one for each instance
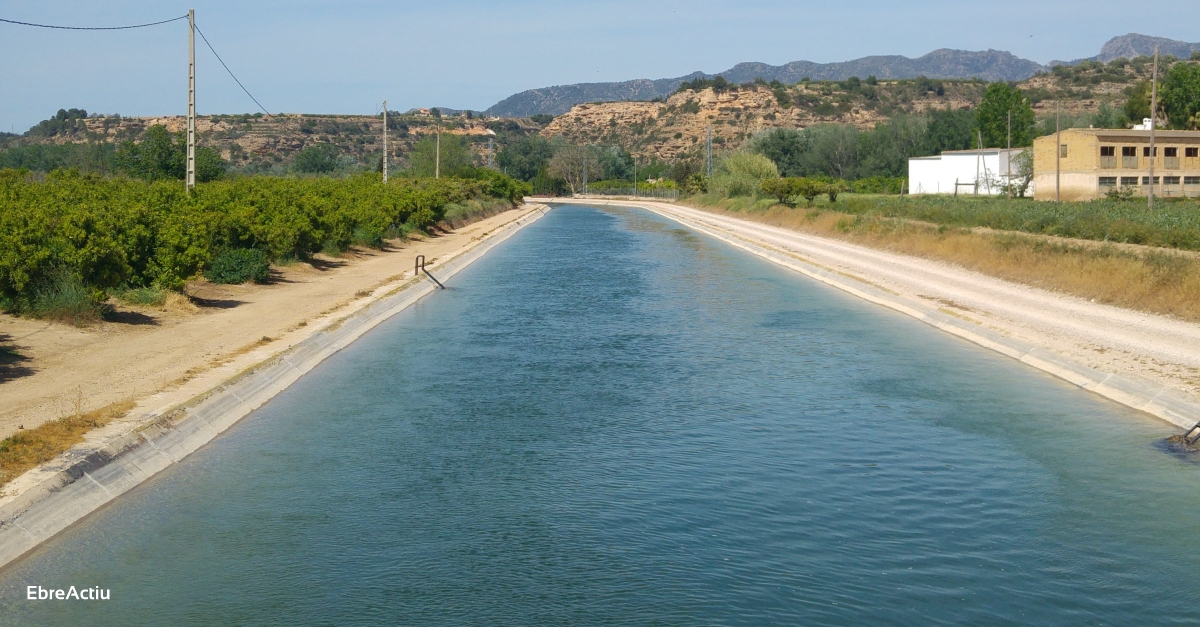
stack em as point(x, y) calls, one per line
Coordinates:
point(191, 115)
point(1153, 110)
point(384, 141)
point(1058, 152)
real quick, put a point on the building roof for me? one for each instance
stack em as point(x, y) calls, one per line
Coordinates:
point(970, 153)
point(1130, 135)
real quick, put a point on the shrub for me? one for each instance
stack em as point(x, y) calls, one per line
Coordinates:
point(741, 174)
point(783, 189)
point(113, 233)
point(1125, 192)
point(67, 299)
point(835, 187)
point(809, 189)
point(239, 265)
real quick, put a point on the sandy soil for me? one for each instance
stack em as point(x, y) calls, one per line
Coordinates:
point(61, 370)
point(1130, 343)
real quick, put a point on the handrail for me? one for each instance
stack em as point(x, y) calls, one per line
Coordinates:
point(419, 267)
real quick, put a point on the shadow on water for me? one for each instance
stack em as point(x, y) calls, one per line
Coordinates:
point(1177, 448)
point(12, 362)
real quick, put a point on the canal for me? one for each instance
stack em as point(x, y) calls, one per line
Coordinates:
point(611, 420)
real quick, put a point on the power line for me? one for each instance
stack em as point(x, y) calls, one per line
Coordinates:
point(235, 78)
point(174, 19)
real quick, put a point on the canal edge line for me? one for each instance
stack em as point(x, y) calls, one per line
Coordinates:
point(90, 475)
point(1157, 400)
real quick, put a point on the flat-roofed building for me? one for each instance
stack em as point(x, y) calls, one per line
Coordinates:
point(1094, 161)
point(981, 172)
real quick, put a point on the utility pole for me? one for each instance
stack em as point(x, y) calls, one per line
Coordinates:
point(384, 141)
point(708, 159)
point(1058, 152)
point(1153, 108)
point(437, 159)
point(191, 115)
point(978, 158)
point(1008, 159)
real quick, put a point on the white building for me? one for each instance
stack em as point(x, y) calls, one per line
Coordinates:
point(981, 172)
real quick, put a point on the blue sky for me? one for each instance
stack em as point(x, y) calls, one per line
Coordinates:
point(345, 57)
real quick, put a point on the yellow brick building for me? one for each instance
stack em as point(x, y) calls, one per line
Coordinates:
point(1094, 161)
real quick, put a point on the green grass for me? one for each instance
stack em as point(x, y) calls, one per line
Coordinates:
point(67, 299)
point(1172, 224)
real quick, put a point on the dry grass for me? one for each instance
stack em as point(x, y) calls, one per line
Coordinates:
point(179, 304)
point(28, 448)
point(1141, 278)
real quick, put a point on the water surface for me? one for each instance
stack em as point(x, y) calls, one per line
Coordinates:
point(611, 420)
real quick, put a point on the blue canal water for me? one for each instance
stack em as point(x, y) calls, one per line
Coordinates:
point(610, 420)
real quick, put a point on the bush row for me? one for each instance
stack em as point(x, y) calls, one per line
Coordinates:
point(113, 233)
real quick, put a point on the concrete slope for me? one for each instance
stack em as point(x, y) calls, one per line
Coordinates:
point(1142, 360)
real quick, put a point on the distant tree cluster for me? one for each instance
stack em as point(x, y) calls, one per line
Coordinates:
point(718, 84)
point(65, 122)
point(161, 155)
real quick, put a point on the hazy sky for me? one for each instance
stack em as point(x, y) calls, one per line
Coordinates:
point(345, 57)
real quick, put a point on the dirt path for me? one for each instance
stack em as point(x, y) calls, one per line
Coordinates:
point(59, 370)
point(1131, 343)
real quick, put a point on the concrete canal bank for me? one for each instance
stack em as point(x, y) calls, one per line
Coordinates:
point(1159, 400)
point(46, 500)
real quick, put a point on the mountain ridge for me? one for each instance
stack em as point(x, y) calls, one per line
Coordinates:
point(943, 63)
point(1134, 45)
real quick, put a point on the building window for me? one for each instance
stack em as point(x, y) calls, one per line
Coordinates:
point(1146, 180)
point(1191, 152)
point(1170, 180)
point(1129, 180)
point(1108, 181)
point(1171, 158)
point(1129, 158)
point(1146, 151)
point(1191, 180)
point(1062, 150)
point(1108, 157)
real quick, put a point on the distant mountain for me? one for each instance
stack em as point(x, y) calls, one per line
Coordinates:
point(1135, 45)
point(990, 65)
point(560, 98)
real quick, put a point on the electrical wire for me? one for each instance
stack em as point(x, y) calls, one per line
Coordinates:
point(235, 78)
point(174, 19)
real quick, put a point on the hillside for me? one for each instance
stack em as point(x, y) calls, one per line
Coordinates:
point(258, 143)
point(991, 65)
point(677, 127)
point(667, 129)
